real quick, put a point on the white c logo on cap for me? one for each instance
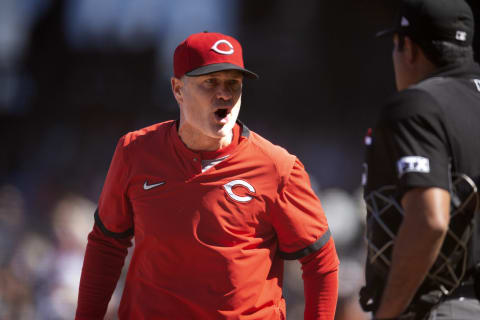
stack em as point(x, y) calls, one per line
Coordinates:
point(216, 49)
point(229, 186)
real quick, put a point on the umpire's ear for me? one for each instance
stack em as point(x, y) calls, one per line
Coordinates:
point(412, 51)
point(177, 85)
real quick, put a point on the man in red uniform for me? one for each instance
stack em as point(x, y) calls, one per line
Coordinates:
point(214, 208)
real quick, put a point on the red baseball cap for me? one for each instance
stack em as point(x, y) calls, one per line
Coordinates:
point(207, 52)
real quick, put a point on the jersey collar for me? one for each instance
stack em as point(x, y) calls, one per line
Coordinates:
point(457, 71)
point(240, 133)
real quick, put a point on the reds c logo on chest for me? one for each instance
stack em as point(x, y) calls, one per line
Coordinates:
point(233, 190)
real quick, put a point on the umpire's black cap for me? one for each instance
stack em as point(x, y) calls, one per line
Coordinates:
point(426, 20)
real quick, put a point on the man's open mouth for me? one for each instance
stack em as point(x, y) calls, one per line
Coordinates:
point(221, 113)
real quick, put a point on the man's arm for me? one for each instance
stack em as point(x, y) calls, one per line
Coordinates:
point(320, 279)
point(417, 244)
point(102, 265)
point(302, 230)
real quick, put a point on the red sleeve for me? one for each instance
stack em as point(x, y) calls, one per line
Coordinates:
point(298, 217)
point(115, 214)
point(102, 265)
point(320, 278)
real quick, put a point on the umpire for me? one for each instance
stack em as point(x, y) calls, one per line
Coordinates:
point(422, 171)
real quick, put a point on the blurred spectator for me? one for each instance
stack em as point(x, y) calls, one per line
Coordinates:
point(30, 270)
point(12, 220)
point(351, 279)
point(343, 216)
point(71, 220)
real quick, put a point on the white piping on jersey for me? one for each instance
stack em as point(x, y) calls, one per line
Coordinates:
point(207, 164)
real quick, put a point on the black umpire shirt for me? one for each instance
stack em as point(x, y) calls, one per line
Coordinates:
point(425, 135)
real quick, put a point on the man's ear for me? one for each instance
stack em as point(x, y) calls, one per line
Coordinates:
point(412, 51)
point(177, 85)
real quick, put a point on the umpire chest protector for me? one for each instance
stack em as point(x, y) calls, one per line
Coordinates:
point(427, 136)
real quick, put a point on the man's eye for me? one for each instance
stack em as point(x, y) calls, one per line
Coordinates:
point(234, 84)
point(211, 81)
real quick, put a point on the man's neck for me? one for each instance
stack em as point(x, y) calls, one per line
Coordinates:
point(199, 142)
point(424, 68)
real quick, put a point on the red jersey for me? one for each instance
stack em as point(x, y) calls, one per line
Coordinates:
point(211, 228)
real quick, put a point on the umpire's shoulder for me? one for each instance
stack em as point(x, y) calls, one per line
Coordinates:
point(411, 102)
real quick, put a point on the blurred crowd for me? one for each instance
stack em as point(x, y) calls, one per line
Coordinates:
point(39, 274)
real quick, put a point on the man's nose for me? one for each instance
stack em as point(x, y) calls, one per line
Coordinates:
point(224, 91)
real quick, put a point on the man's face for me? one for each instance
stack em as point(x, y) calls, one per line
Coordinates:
point(209, 104)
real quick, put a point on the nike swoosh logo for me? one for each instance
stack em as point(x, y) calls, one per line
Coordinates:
point(147, 186)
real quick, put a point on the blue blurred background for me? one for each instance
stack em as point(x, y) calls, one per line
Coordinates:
point(75, 75)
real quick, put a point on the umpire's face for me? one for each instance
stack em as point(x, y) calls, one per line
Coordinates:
point(209, 104)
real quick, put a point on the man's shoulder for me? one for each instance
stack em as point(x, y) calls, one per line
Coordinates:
point(147, 134)
point(267, 146)
point(413, 101)
point(435, 85)
point(278, 155)
point(434, 93)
